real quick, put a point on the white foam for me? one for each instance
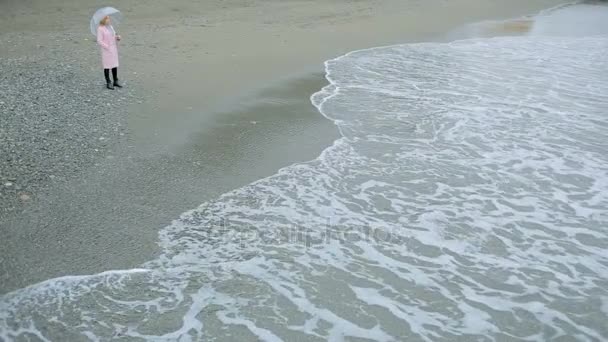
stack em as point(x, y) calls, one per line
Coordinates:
point(580, 20)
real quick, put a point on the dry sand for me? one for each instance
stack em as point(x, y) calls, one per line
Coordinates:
point(226, 85)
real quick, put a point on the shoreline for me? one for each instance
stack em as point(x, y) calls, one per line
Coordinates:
point(161, 151)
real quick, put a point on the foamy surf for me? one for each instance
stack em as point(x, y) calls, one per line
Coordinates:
point(467, 200)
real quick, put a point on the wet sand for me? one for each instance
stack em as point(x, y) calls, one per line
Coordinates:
point(111, 214)
point(226, 87)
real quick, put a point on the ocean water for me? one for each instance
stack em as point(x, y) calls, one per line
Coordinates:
point(467, 200)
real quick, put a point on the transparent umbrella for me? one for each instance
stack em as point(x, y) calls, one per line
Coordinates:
point(114, 14)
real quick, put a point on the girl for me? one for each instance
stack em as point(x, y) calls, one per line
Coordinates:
point(107, 38)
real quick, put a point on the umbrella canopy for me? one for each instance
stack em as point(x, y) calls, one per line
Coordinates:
point(114, 14)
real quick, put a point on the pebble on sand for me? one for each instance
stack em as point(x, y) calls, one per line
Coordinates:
point(46, 130)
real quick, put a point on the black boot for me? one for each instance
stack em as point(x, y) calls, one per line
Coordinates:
point(115, 77)
point(109, 86)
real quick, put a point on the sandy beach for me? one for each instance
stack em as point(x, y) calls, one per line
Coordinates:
point(305, 171)
point(217, 96)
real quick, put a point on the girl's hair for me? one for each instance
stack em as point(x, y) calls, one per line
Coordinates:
point(103, 20)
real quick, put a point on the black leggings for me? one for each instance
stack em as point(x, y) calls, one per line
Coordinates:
point(106, 73)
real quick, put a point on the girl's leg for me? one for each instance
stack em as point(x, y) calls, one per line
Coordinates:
point(106, 73)
point(115, 76)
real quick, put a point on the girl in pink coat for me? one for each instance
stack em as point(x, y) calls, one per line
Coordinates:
point(107, 38)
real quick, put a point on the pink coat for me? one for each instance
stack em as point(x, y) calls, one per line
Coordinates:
point(109, 50)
